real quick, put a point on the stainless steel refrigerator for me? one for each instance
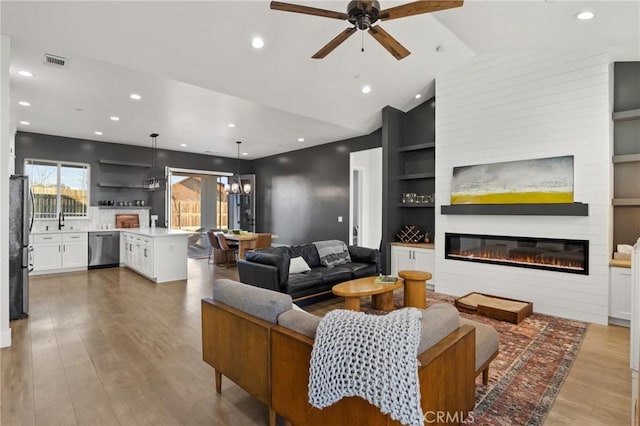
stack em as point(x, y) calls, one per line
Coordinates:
point(20, 252)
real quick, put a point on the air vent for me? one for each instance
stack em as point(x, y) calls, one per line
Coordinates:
point(55, 60)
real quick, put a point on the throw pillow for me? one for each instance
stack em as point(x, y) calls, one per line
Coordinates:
point(298, 265)
point(332, 252)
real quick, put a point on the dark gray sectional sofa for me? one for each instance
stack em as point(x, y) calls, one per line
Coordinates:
point(269, 268)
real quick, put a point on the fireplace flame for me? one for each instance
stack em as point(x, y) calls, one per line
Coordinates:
point(542, 259)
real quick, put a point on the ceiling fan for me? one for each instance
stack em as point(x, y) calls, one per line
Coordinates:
point(363, 14)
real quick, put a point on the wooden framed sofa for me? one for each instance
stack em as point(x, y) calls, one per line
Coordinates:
point(256, 338)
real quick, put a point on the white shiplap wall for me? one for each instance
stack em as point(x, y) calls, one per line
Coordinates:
point(525, 105)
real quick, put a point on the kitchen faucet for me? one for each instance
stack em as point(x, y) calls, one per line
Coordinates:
point(60, 221)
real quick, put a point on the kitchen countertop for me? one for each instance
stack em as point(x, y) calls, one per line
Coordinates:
point(620, 263)
point(149, 232)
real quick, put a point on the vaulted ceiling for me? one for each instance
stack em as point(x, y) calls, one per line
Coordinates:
point(193, 65)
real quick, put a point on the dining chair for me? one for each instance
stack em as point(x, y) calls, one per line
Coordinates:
point(224, 246)
point(214, 248)
point(263, 240)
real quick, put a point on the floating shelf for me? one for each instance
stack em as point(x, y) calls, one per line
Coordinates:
point(118, 185)
point(124, 207)
point(628, 158)
point(124, 163)
point(629, 202)
point(575, 209)
point(417, 176)
point(415, 205)
point(631, 114)
point(417, 147)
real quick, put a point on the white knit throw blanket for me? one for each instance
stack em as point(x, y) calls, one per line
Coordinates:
point(373, 357)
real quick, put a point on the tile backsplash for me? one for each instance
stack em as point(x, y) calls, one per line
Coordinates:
point(97, 218)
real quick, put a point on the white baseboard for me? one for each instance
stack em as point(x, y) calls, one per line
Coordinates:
point(5, 338)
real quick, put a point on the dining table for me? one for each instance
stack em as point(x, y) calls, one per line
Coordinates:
point(246, 241)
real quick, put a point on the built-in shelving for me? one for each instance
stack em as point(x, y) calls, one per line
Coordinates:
point(631, 114)
point(569, 209)
point(413, 176)
point(124, 163)
point(626, 202)
point(124, 207)
point(119, 185)
point(628, 158)
point(417, 147)
point(415, 205)
point(626, 162)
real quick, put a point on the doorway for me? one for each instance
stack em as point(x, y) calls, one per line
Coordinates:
point(197, 202)
point(365, 200)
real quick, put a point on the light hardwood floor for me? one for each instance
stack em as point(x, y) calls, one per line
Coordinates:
point(110, 347)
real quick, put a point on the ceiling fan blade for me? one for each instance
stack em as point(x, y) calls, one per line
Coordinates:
point(328, 48)
point(288, 7)
point(388, 42)
point(418, 7)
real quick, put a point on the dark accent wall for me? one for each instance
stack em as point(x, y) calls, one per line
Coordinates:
point(300, 194)
point(58, 148)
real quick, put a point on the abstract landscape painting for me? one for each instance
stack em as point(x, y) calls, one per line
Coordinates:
point(538, 181)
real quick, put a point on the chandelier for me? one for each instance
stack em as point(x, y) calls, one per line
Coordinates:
point(235, 185)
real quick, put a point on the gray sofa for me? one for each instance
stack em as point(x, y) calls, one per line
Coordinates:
point(269, 268)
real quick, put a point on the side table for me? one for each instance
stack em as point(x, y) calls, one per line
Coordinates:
point(415, 288)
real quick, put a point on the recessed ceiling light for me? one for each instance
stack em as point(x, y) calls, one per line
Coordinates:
point(585, 15)
point(26, 73)
point(366, 89)
point(231, 125)
point(97, 133)
point(114, 118)
point(24, 103)
point(79, 109)
point(183, 144)
point(135, 96)
point(25, 123)
point(257, 43)
point(300, 139)
point(245, 153)
point(418, 96)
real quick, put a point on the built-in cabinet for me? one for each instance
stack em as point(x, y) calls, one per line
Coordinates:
point(160, 258)
point(59, 252)
point(620, 295)
point(413, 257)
point(408, 142)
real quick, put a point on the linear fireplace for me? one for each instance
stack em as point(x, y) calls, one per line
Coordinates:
point(540, 253)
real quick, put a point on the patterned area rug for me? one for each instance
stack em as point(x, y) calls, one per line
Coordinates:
point(534, 360)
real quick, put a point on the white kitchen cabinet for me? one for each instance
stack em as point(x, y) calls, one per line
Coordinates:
point(620, 293)
point(59, 252)
point(407, 257)
point(46, 253)
point(160, 258)
point(75, 250)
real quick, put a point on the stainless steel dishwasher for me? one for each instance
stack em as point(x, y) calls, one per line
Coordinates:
point(104, 249)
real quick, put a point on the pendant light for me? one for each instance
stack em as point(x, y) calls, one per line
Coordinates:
point(154, 182)
point(235, 185)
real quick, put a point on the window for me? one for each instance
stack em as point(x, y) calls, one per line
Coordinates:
point(58, 187)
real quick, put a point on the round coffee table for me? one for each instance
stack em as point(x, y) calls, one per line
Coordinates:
point(381, 294)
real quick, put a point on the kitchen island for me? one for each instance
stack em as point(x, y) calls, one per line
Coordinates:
point(159, 254)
